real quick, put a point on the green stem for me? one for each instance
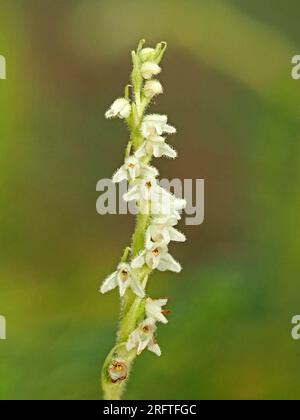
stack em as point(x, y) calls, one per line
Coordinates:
point(138, 240)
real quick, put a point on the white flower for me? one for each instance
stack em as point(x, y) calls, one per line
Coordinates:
point(154, 199)
point(156, 146)
point(143, 189)
point(152, 88)
point(156, 125)
point(143, 337)
point(120, 108)
point(154, 309)
point(118, 370)
point(156, 256)
point(133, 169)
point(123, 278)
point(165, 205)
point(146, 54)
point(150, 69)
point(162, 229)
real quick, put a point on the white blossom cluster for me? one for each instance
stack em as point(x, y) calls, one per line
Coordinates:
point(163, 208)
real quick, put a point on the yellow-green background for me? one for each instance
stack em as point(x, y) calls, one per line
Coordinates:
point(229, 91)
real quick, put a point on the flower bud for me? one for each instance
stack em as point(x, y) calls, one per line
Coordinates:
point(152, 88)
point(147, 54)
point(150, 69)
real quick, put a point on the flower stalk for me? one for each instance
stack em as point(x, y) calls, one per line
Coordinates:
point(158, 213)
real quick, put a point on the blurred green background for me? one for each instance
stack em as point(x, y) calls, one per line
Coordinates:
point(229, 91)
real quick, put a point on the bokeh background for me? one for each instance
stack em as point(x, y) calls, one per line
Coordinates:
point(229, 91)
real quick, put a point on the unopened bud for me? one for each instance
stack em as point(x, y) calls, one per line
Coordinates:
point(147, 54)
point(152, 88)
point(150, 69)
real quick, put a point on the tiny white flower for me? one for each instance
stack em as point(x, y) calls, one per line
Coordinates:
point(152, 88)
point(143, 337)
point(156, 125)
point(120, 108)
point(154, 309)
point(143, 190)
point(162, 229)
point(133, 169)
point(118, 370)
point(165, 205)
point(156, 256)
point(146, 54)
point(123, 278)
point(150, 69)
point(156, 146)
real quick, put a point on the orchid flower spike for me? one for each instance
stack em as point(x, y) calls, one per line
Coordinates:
point(158, 214)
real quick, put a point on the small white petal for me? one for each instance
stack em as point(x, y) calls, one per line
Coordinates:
point(156, 118)
point(148, 240)
point(167, 150)
point(167, 262)
point(166, 235)
point(120, 175)
point(179, 204)
point(141, 152)
point(132, 194)
point(152, 261)
point(138, 261)
point(157, 150)
point(154, 347)
point(132, 173)
point(125, 112)
point(109, 114)
point(175, 235)
point(169, 129)
point(132, 340)
point(137, 288)
point(161, 302)
point(123, 287)
point(142, 345)
point(149, 171)
point(110, 283)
